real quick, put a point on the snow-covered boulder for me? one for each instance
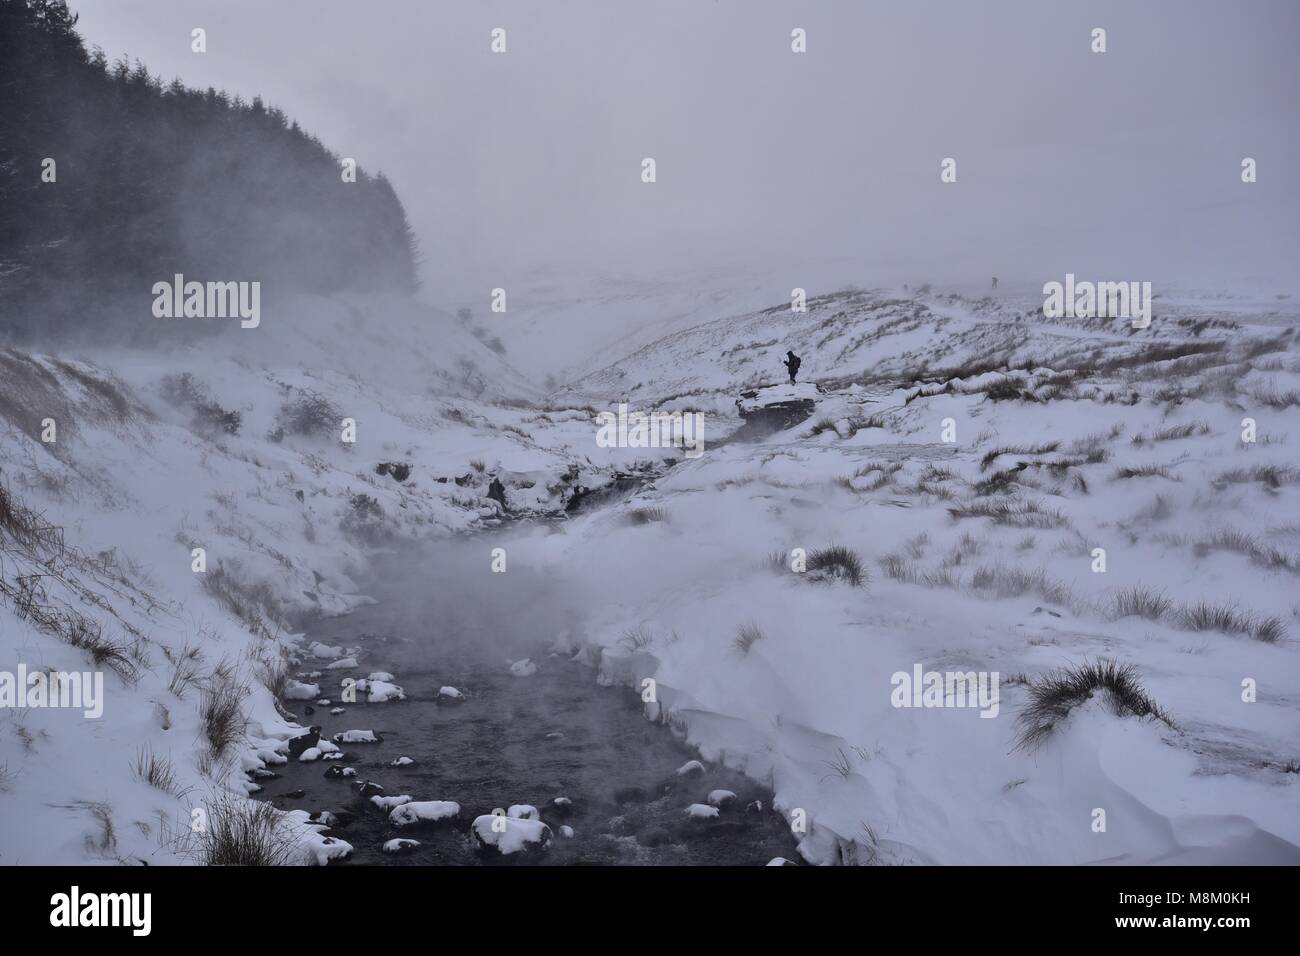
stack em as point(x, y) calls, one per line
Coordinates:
point(399, 846)
point(379, 691)
point(401, 762)
point(523, 811)
point(423, 811)
point(720, 798)
point(523, 668)
point(510, 834)
point(450, 694)
point(701, 811)
point(297, 690)
point(358, 737)
point(390, 803)
point(686, 769)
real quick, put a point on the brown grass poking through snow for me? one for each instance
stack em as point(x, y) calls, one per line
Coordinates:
point(644, 516)
point(221, 713)
point(1228, 619)
point(253, 604)
point(1271, 476)
point(837, 563)
point(1030, 450)
point(1001, 581)
point(747, 635)
point(1172, 433)
point(1013, 514)
point(1145, 471)
point(1138, 601)
point(1054, 696)
point(637, 638)
point(243, 832)
point(155, 770)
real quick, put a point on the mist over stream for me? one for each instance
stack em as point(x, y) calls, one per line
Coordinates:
point(443, 619)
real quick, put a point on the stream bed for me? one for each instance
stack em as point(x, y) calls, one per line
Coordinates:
point(513, 740)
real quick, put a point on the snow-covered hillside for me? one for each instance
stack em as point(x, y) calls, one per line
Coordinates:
point(943, 507)
point(976, 500)
point(235, 446)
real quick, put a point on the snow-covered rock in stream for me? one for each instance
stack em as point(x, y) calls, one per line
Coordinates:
point(450, 693)
point(701, 811)
point(690, 767)
point(379, 691)
point(423, 811)
point(523, 668)
point(357, 737)
point(523, 811)
point(399, 846)
point(313, 846)
point(720, 798)
point(296, 690)
point(389, 803)
point(510, 834)
point(401, 762)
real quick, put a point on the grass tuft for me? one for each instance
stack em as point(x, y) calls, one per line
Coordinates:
point(643, 516)
point(837, 562)
point(242, 832)
point(221, 716)
point(747, 635)
point(1054, 696)
point(1138, 601)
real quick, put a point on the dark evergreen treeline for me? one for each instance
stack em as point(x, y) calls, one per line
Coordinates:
point(156, 179)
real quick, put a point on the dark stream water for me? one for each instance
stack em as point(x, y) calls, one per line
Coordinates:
point(514, 740)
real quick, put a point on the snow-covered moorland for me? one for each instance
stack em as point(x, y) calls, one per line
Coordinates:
point(977, 490)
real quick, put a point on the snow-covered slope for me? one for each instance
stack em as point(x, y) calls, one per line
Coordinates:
point(972, 455)
point(115, 471)
point(1024, 496)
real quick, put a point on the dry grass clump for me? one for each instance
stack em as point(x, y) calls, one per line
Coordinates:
point(1054, 696)
point(1013, 514)
point(837, 563)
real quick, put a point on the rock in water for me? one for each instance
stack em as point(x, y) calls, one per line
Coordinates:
point(510, 834)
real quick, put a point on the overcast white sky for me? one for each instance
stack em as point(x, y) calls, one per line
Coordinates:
point(1120, 165)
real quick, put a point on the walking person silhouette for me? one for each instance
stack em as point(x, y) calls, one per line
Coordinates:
point(792, 363)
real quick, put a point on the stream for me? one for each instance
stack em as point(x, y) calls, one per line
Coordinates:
point(512, 740)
